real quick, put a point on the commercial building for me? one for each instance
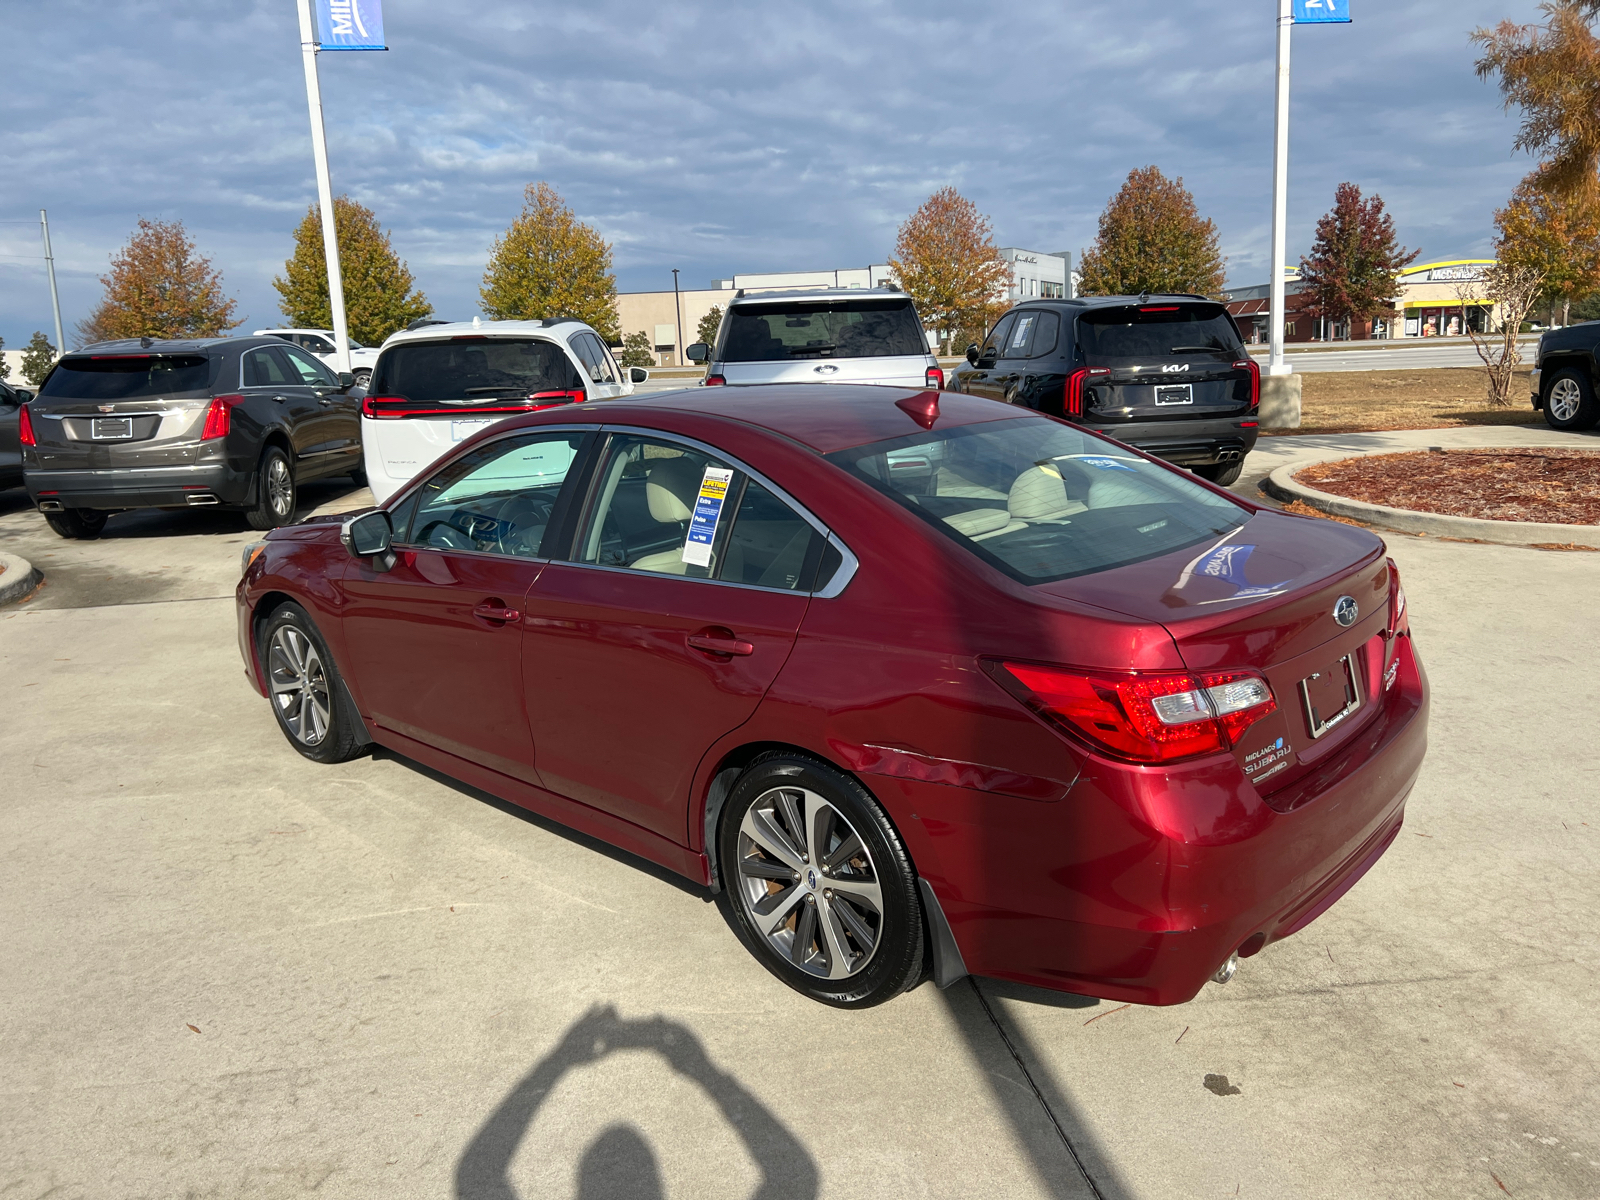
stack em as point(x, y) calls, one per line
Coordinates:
point(1436, 299)
point(1034, 273)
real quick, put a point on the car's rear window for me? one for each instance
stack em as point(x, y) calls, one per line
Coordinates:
point(1158, 330)
point(468, 370)
point(1040, 500)
point(128, 376)
point(834, 329)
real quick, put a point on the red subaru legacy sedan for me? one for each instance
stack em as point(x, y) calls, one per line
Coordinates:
point(921, 683)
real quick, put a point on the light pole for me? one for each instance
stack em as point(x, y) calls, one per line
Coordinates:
point(1280, 190)
point(55, 299)
point(677, 309)
point(319, 153)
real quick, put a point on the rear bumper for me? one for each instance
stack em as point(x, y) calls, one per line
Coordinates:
point(1185, 442)
point(139, 487)
point(1140, 883)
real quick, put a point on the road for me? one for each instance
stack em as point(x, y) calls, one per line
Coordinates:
point(232, 972)
point(1410, 357)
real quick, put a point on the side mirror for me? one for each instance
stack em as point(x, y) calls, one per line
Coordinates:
point(370, 536)
point(637, 374)
point(972, 353)
point(698, 353)
point(23, 395)
point(346, 381)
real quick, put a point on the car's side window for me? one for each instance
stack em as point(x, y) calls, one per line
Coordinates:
point(770, 544)
point(1016, 344)
point(588, 348)
point(997, 336)
point(315, 344)
point(312, 373)
point(263, 368)
point(1046, 332)
point(660, 507)
point(497, 498)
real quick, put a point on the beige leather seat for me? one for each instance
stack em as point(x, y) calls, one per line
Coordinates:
point(670, 489)
point(1039, 496)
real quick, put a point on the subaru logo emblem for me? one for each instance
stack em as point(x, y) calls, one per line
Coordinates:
point(811, 880)
point(825, 369)
point(1346, 610)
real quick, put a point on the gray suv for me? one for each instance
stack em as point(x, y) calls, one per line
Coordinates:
point(235, 422)
point(831, 335)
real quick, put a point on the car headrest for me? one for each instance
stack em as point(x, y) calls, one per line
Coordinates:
point(1039, 495)
point(671, 487)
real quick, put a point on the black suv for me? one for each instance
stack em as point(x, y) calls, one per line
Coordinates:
point(1564, 375)
point(178, 424)
point(1166, 374)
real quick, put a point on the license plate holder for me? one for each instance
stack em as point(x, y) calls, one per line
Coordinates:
point(1331, 695)
point(111, 429)
point(460, 431)
point(1174, 393)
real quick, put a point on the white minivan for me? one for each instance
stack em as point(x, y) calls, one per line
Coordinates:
point(440, 384)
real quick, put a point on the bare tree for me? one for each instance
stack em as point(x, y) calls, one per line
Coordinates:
point(1515, 288)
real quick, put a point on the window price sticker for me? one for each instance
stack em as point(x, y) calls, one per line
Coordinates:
point(707, 512)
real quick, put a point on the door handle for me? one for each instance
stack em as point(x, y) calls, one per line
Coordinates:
point(493, 610)
point(720, 641)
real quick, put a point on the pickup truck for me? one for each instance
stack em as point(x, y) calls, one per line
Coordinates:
point(1565, 371)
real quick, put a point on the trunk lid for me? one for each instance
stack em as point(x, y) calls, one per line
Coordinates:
point(901, 371)
point(1263, 599)
point(1167, 360)
point(122, 410)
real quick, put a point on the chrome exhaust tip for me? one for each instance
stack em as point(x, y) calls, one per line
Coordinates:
point(50, 506)
point(200, 499)
point(1227, 970)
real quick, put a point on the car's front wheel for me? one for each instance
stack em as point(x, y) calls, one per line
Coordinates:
point(307, 696)
point(275, 491)
point(82, 523)
point(1570, 403)
point(820, 885)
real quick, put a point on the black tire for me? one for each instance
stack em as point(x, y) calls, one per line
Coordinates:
point(363, 376)
point(273, 505)
point(1569, 401)
point(359, 476)
point(1221, 474)
point(307, 696)
point(84, 524)
point(818, 919)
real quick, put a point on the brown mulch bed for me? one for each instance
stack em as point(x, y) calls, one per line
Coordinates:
point(1439, 398)
point(1557, 486)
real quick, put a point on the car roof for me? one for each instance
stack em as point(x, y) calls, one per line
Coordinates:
point(803, 295)
point(172, 345)
point(488, 329)
point(1113, 301)
point(822, 416)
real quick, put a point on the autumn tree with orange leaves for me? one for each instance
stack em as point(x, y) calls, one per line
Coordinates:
point(1153, 239)
point(946, 260)
point(160, 287)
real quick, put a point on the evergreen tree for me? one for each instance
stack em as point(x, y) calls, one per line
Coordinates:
point(1152, 239)
point(636, 351)
point(709, 326)
point(160, 288)
point(38, 356)
point(1355, 262)
point(946, 260)
point(380, 295)
point(550, 264)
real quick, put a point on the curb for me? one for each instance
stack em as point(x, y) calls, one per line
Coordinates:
point(19, 578)
point(1282, 485)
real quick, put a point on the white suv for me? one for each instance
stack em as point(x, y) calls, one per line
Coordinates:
point(320, 343)
point(440, 384)
point(831, 335)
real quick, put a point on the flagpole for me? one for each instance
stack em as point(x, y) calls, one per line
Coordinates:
point(319, 153)
point(1280, 190)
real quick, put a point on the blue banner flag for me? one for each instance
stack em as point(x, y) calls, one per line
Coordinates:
point(351, 24)
point(1322, 12)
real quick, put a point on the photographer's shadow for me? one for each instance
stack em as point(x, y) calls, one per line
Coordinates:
point(620, 1164)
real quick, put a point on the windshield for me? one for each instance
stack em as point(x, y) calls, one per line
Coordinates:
point(1158, 331)
point(472, 370)
point(128, 376)
point(830, 329)
point(1041, 500)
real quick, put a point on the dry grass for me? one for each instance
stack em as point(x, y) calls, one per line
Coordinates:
point(1443, 398)
point(1557, 486)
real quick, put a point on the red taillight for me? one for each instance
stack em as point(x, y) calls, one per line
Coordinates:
point(25, 427)
point(934, 379)
point(715, 381)
point(551, 399)
point(1145, 716)
point(1167, 308)
point(219, 417)
point(1251, 365)
point(1076, 383)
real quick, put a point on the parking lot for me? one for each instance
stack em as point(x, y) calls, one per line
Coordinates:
point(232, 972)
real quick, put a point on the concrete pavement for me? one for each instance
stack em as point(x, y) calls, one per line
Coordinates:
point(400, 987)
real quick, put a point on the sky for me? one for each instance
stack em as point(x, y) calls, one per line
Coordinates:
point(722, 138)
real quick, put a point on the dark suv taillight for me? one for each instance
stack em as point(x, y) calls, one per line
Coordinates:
point(934, 379)
point(219, 417)
point(1251, 365)
point(1077, 382)
point(25, 427)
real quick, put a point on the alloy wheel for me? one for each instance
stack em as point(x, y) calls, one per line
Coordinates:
point(808, 884)
point(299, 685)
point(280, 487)
point(1565, 397)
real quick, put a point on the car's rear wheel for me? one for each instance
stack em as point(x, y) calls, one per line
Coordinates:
point(363, 376)
point(1221, 474)
point(82, 523)
point(275, 491)
point(1570, 403)
point(308, 698)
point(820, 885)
